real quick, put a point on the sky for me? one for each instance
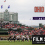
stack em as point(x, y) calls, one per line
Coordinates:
point(25, 10)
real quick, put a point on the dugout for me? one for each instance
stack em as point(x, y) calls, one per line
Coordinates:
point(3, 33)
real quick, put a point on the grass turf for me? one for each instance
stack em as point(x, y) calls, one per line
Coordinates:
point(17, 43)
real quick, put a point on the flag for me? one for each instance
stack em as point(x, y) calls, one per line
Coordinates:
point(9, 6)
point(1, 6)
point(5, 1)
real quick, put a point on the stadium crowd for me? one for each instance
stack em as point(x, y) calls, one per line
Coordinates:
point(38, 31)
point(29, 32)
point(8, 25)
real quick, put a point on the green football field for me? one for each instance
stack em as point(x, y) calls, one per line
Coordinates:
point(14, 43)
point(17, 43)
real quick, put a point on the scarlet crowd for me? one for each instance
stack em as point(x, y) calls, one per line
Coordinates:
point(8, 25)
point(38, 31)
point(29, 32)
